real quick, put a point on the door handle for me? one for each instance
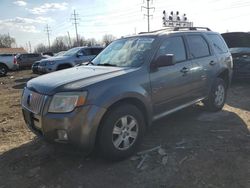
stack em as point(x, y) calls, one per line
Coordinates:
point(184, 70)
point(212, 63)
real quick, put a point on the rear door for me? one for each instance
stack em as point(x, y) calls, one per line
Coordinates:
point(204, 61)
point(171, 84)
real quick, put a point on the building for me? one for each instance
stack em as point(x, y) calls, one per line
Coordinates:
point(12, 50)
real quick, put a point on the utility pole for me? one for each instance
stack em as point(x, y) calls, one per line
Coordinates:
point(69, 40)
point(75, 19)
point(29, 47)
point(47, 30)
point(148, 11)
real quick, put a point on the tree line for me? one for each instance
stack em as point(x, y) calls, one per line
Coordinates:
point(6, 41)
point(63, 43)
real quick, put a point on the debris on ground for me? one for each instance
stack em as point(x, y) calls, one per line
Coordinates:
point(164, 160)
point(182, 160)
point(144, 157)
point(225, 130)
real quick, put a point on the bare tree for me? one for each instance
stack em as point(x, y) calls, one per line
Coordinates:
point(6, 41)
point(59, 44)
point(107, 39)
point(40, 48)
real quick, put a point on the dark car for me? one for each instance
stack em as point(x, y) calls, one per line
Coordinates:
point(239, 46)
point(27, 60)
point(109, 102)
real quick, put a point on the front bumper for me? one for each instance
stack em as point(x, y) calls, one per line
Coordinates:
point(45, 69)
point(80, 125)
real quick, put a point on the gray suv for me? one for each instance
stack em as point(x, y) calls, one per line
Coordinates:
point(69, 59)
point(109, 102)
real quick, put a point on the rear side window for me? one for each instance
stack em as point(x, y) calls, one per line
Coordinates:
point(173, 45)
point(218, 43)
point(198, 46)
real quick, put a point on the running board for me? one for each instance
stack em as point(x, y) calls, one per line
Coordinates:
point(177, 109)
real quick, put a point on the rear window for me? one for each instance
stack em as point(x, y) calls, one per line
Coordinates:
point(198, 46)
point(218, 43)
point(5, 55)
point(237, 39)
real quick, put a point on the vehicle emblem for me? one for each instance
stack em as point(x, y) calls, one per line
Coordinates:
point(29, 98)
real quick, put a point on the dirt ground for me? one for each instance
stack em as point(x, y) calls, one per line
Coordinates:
point(198, 149)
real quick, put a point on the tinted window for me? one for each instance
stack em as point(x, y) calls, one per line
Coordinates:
point(218, 43)
point(96, 51)
point(173, 45)
point(6, 55)
point(87, 51)
point(198, 46)
point(237, 39)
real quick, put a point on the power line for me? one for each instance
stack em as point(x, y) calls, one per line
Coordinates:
point(75, 19)
point(148, 15)
point(47, 30)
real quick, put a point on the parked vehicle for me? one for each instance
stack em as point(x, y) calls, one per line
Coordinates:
point(69, 59)
point(7, 62)
point(34, 67)
point(27, 60)
point(239, 46)
point(110, 102)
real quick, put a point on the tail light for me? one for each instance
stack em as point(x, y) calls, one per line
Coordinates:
point(15, 61)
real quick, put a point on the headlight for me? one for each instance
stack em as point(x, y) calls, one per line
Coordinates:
point(51, 62)
point(67, 101)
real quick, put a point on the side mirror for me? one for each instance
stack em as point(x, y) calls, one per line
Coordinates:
point(165, 60)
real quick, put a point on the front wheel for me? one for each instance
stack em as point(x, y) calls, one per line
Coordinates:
point(121, 132)
point(217, 96)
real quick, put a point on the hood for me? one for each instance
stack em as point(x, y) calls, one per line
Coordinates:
point(57, 58)
point(74, 79)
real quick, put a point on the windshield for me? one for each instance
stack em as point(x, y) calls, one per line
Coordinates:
point(71, 52)
point(130, 52)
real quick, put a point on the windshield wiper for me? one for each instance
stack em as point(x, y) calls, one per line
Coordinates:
point(107, 64)
point(86, 63)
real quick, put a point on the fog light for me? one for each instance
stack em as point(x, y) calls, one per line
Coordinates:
point(62, 135)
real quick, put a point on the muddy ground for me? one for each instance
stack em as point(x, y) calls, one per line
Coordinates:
point(198, 149)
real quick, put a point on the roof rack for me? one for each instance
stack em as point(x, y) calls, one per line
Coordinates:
point(178, 29)
point(191, 28)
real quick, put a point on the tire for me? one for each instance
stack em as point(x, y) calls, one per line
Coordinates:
point(121, 132)
point(61, 67)
point(3, 70)
point(217, 96)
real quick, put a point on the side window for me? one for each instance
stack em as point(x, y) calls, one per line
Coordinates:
point(173, 45)
point(95, 51)
point(198, 46)
point(218, 43)
point(86, 51)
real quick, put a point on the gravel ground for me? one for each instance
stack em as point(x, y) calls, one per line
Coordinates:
point(195, 149)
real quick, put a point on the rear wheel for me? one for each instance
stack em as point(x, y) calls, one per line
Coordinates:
point(217, 96)
point(121, 132)
point(3, 70)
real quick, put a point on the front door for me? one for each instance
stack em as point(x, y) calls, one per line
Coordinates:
point(171, 84)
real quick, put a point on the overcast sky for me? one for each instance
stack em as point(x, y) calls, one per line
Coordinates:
point(26, 19)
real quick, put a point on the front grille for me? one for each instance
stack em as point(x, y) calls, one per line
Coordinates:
point(43, 63)
point(33, 101)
